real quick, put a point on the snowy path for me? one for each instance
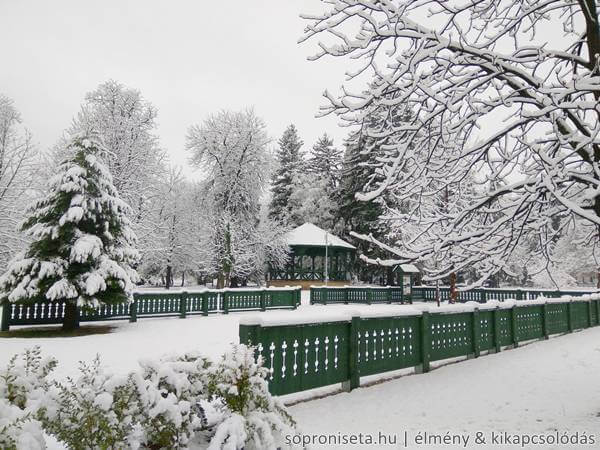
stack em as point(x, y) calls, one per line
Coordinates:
point(537, 388)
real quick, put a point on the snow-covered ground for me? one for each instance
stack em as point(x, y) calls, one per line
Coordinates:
point(537, 388)
point(540, 388)
point(151, 338)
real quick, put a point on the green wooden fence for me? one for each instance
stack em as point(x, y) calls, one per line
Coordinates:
point(481, 295)
point(302, 356)
point(156, 304)
point(358, 294)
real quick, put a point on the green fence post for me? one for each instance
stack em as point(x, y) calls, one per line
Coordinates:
point(496, 316)
point(133, 310)
point(369, 296)
point(589, 313)
point(476, 333)
point(346, 289)
point(324, 295)
point(297, 298)
point(513, 326)
point(389, 295)
point(519, 294)
point(205, 303)
point(425, 344)
point(569, 317)
point(483, 295)
point(597, 312)
point(545, 333)
point(183, 304)
point(5, 319)
point(225, 302)
point(353, 371)
point(263, 303)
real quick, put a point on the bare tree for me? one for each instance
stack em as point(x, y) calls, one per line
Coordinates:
point(172, 244)
point(231, 147)
point(19, 165)
point(505, 92)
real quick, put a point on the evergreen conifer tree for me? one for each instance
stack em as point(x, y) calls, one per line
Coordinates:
point(290, 162)
point(355, 215)
point(326, 160)
point(81, 249)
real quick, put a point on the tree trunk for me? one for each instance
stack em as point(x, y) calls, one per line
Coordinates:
point(453, 291)
point(182, 278)
point(169, 277)
point(71, 318)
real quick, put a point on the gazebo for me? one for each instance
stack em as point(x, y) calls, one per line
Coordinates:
point(311, 247)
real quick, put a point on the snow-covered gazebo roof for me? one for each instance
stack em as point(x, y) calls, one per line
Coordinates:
point(408, 268)
point(310, 235)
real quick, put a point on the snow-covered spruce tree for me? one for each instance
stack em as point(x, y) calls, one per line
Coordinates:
point(313, 192)
point(494, 91)
point(82, 248)
point(325, 160)
point(289, 164)
point(355, 215)
point(366, 148)
point(312, 201)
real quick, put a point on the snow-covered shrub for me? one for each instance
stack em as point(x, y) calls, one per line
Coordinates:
point(25, 374)
point(154, 407)
point(96, 410)
point(250, 417)
point(168, 396)
point(22, 383)
point(18, 428)
point(174, 402)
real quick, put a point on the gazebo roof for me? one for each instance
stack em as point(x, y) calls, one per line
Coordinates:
point(313, 236)
point(408, 268)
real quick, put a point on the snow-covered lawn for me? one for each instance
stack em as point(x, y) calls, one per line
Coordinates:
point(538, 388)
point(151, 338)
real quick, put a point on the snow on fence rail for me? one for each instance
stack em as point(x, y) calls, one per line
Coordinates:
point(305, 353)
point(358, 294)
point(481, 295)
point(156, 304)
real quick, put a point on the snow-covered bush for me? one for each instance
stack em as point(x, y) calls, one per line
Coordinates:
point(250, 417)
point(173, 402)
point(168, 396)
point(18, 428)
point(96, 410)
point(22, 384)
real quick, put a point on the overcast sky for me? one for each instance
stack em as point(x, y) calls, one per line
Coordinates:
point(188, 58)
